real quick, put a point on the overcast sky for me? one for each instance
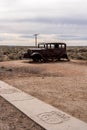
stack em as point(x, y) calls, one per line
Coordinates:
point(53, 20)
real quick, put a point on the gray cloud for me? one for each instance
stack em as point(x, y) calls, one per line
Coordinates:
point(49, 20)
point(55, 19)
point(73, 37)
point(27, 36)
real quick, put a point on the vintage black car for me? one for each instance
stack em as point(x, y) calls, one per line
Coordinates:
point(47, 52)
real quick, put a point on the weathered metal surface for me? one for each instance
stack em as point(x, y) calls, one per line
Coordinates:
point(47, 51)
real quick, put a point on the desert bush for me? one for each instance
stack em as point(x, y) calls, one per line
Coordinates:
point(4, 58)
point(11, 53)
point(79, 53)
point(16, 53)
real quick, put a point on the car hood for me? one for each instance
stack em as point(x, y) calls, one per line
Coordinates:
point(36, 48)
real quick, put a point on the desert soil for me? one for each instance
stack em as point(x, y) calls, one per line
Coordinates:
point(61, 84)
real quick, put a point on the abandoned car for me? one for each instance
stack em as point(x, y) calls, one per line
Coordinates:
point(47, 52)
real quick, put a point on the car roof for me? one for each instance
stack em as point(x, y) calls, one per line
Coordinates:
point(52, 43)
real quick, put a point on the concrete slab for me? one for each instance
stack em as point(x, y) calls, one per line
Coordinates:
point(45, 115)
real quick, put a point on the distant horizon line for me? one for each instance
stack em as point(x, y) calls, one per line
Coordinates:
point(36, 46)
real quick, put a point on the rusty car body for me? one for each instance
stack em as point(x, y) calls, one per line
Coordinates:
point(47, 52)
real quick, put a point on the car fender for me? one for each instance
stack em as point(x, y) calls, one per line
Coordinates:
point(35, 54)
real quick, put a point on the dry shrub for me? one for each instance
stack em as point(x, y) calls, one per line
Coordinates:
point(11, 53)
point(16, 53)
point(79, 53)
point(4, 58)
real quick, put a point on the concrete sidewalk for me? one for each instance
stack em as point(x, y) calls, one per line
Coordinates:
point(45, 115)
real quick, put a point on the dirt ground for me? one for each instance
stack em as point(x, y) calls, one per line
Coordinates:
point(61, 84)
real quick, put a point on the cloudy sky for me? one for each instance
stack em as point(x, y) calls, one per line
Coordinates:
point(53, 20)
